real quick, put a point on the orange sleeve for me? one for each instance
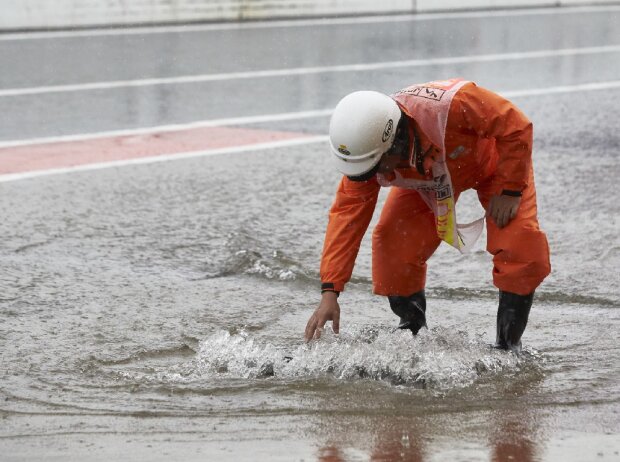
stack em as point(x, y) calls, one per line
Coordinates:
point(349, 218)
point(492, 116)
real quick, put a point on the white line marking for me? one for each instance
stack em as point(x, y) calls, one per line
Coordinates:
point(592, 86)
point(175, 29)
point(172, 128)
point(164, 158)
point(308, 70)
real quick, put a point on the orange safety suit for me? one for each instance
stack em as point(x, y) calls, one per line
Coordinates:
point(488, 146)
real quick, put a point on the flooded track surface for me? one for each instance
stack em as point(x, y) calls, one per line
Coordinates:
point(156, 311)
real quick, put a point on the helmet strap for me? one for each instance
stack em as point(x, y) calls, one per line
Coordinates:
point(418, 155)
point(401, 144)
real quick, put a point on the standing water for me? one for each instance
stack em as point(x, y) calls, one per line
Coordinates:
point(156, 312)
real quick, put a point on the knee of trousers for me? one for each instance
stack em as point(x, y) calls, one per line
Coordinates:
point(520, 260)
point(398, 265)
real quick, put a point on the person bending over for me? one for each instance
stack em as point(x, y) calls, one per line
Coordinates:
point(430, 142)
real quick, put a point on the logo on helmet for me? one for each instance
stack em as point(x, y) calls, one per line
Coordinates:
point(342, 149)
point(387, 131)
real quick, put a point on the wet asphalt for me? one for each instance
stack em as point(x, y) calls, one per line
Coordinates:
point(139, 305)
point(67, 60)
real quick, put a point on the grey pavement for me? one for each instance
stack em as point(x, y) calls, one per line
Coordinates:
point(75, 60)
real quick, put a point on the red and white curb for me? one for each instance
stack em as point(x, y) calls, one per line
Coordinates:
point(24, 161)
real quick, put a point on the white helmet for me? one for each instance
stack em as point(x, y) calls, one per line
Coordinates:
point(361, 129)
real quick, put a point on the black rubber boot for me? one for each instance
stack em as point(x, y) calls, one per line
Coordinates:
point(411, 309)
point(512, 315)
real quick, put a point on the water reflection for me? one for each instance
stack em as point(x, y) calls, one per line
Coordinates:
point(493, 423)
point(511, 437)
point(512, 441)
point(331, 454)
point(407, 446)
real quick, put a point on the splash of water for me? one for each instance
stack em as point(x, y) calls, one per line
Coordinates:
point(438, 359)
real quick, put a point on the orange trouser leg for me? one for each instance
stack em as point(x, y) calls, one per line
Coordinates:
point(520, 250)
point(402, 241)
